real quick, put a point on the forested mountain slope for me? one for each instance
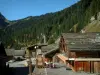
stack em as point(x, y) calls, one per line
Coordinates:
point(31, 29)
point(3, 21)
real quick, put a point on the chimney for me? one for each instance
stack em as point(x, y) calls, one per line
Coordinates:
point(44, 39)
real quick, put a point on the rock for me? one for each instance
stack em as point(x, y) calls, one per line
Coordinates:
point(92, 19)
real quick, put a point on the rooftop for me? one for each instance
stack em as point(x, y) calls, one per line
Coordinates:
point(13, 52)
point(50, 48)
point(82, 41)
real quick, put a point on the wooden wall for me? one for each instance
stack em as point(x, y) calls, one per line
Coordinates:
point(97, 67)
point(87, 66)
point(78, 66)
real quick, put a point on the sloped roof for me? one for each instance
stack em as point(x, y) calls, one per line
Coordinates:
point(9, 52)
point(19, 52)
point(82, 42)
point(80, 35)
point(81, 47)
point(57, 41)
point(50, 48)
point(12, 52)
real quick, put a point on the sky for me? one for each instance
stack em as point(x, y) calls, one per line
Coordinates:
point(18, 9)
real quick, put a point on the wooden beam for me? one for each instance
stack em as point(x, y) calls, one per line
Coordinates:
point(85, 59)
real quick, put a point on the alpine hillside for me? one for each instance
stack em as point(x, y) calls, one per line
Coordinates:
point(30, 30)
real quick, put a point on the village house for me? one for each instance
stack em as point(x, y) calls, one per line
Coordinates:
point(19, 53)
point(80, 51)
point(49, 51)
point(12, 53)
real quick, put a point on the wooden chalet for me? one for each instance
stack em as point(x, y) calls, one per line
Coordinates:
point(81, 51)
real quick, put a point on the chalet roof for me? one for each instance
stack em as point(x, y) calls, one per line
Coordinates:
point(19, 52)
point(12, 52)
point(57, 40)
point(84, 47)
point(50, 48)
point(80, 35)
point(82, 42)
point(9, 52)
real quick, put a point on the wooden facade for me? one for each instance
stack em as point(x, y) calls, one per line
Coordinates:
point(80, 46)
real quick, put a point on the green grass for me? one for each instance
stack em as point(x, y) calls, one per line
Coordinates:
point(93, 27)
